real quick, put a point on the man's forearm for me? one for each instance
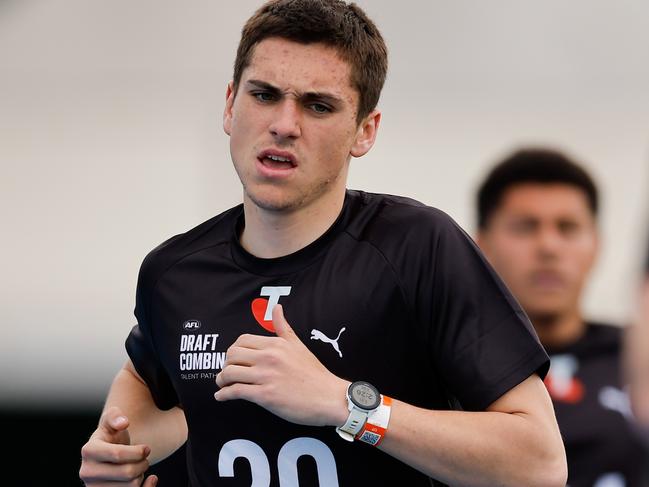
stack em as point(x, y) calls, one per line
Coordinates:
point(478, 448)
point(163, 431)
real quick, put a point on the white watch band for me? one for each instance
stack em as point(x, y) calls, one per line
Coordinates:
point(355, 422)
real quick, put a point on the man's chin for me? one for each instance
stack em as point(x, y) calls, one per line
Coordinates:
point(545, 306)
point(545, 316)
point(274, 203)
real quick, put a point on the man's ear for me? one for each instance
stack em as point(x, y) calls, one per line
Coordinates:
point(366, 134)
point(597, 244)
point(227, 111)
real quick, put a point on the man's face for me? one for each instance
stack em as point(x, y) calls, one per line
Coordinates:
point(292, 125)
point(542, 240)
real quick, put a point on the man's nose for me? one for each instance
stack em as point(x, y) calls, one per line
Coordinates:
point(549, 241)
point(286, 122)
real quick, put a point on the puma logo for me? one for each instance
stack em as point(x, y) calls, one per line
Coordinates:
point(318, 335)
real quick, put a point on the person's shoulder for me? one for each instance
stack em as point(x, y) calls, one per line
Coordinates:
point(406, 232)
point(216, 231)
point(605, 330)
point(387, 216)
point(604, 336)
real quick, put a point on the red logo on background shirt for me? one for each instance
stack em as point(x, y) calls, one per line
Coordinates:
point(571, 392)
point(561, 382)
point(262, 309)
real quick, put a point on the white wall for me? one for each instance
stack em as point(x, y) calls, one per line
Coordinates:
point(111, 141)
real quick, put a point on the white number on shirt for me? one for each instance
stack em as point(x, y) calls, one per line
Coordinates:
point(286, 461)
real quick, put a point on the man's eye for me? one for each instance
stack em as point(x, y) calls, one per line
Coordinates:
point(522, 227)
point(569, 228)
point(320, 108)
point(264, 96)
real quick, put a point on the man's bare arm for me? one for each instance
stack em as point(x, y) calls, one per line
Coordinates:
point(515, 442)
point(132, 434)
point(636, 355)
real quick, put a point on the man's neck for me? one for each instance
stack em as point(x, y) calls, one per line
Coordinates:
point(270, 234)
point(559, 330)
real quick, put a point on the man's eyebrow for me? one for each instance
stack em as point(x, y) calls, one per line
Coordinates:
point(308, 96)
point(322, 96)
point(263, 85)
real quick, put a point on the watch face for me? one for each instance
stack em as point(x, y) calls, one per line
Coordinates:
point(364, 395)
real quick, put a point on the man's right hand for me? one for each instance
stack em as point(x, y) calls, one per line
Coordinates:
point(108, 458)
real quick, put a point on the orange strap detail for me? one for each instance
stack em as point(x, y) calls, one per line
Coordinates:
point(377, 423)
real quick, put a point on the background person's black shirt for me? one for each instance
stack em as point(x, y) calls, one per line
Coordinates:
point(603, 445)
point(425, 319)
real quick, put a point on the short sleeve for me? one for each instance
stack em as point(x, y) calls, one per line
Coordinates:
point(481, 342)
point(140, 345)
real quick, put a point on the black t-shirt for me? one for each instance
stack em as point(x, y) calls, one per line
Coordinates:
point(402, 291)
point(603, 446)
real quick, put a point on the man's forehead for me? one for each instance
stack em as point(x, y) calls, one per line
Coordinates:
point(271, 47)
point(302, 68)
point(546, 200)
point(532, 192)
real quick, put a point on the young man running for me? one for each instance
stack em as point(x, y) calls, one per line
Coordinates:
point(315, 335)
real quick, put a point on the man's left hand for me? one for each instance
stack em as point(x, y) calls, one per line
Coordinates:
point(282, 375)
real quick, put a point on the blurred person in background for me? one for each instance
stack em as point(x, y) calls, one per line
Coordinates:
point(537, 225)
point(637, 354)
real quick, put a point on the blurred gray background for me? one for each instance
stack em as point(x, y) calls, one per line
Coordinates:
point(111, 142)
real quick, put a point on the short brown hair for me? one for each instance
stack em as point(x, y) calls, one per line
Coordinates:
point(345, 27)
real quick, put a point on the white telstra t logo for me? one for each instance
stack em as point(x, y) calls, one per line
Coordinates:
point(273, 293)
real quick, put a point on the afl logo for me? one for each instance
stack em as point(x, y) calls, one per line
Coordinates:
point(191, 325)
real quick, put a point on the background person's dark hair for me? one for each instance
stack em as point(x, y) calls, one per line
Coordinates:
point(532, 165)
point(342, 26)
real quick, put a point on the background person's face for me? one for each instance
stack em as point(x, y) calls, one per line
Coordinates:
point(289, 148)
point(542, 240)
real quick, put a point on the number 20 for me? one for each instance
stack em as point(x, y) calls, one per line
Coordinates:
point(286, 461)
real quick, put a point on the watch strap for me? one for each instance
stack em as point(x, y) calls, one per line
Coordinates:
point(376, 426)
point(355, 422)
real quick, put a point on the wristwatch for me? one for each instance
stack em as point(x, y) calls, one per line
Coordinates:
point(362, 399)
